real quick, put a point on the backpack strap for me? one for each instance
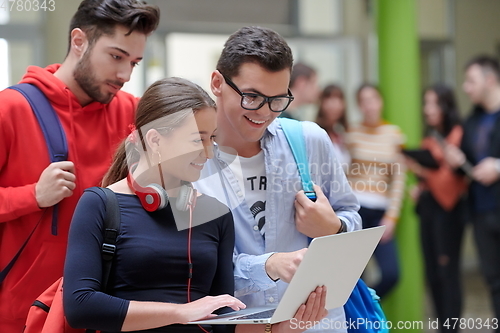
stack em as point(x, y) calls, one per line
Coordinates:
point(111, 226)
point(362, 303)
point(111, 229)
point(295, 137)
point(48, 120)
point(6, 270)
point(51, 128)
point(56, 145)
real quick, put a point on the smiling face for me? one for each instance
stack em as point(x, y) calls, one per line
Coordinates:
point(107, 64)
point(239, 128)
point(185, 150)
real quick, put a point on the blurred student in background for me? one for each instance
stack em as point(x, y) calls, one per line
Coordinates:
point(440, 204)
point(332, 118)
point(304, 88)
point(377, 176)
point(481, 147)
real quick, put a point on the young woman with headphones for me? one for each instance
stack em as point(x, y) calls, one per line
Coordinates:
point(173, 260)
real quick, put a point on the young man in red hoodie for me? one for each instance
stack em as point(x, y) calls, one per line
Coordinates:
point(107, 39)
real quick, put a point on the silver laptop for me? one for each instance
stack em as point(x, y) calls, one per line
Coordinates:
point(335, 261)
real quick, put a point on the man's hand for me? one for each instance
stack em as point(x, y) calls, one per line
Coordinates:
point(307, 315)
point(283, 265)
point(56, 182)
point(315, 219)
point(486, 171)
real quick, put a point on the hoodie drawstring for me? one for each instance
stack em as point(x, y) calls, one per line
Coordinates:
point(55, 210)
point(73, 136)
point(112, 148)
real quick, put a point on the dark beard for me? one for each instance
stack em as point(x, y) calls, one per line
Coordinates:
point(85, 77)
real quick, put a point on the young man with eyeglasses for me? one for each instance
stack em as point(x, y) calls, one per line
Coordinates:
point(273, 218)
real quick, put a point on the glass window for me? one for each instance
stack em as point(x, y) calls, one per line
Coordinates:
point(24, 12)
point(4, 64)
point(23, 52)
point(4, 16)
point(193, 56)
point(337, 61)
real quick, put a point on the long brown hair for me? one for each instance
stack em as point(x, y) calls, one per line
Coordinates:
point(165, 97)
point(449, 108)
point(331, 90)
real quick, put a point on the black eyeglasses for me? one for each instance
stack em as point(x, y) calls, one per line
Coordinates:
point(254, 101)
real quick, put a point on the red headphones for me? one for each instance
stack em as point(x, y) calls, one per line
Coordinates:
point(154, 197)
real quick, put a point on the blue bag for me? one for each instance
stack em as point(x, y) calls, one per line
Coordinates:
point(363, 311)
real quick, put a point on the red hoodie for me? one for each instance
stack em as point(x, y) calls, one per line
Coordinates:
point(93, 132)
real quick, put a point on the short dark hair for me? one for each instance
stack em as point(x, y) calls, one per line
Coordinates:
point(487, 64)
point(100, 17)
point(262, 46)
point(301, 70)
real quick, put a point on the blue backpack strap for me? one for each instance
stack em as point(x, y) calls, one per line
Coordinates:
point(48, 120)
point(51, 128)
point(294, 135)
point(6, 269)
point(363, 302)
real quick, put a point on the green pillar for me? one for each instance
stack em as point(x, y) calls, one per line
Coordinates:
point(400, 86)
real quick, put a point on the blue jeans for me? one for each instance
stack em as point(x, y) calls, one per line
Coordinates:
point(385, 253)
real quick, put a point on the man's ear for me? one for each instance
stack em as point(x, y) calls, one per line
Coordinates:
point(79, 42)
point(216, 83)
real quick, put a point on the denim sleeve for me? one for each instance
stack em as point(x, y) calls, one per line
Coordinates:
point(250, 274)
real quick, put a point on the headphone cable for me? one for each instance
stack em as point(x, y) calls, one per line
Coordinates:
point(190, 263)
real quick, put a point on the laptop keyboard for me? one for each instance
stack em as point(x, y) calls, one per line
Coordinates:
point(258, 315)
